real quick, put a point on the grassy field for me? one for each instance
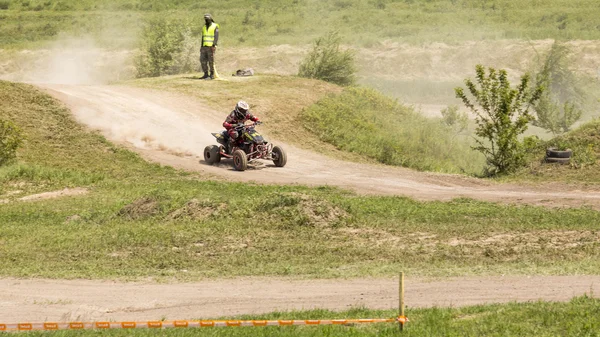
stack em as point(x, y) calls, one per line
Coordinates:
point(579, 317)
point(29, 22)
point(141, 220)
point(135, 220)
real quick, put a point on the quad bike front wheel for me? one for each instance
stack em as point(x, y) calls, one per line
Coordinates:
point(240, 161)
point(279, 157)
point(211, 154)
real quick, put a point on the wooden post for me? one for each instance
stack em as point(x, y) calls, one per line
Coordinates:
point(401, 300)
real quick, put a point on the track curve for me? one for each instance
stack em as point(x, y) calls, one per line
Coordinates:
point(173, 129)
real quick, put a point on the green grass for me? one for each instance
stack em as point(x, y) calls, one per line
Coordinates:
point(578, 317)
point(142, 220)
point(300, 21)
point(368, 123)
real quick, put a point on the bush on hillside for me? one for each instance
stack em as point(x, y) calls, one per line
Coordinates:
point(559, 106)
point(454, 118)
point(584, 141)
point(327, 62)
point(11, 138)
point(502, 115)
point(366, 122)
point(167, 48)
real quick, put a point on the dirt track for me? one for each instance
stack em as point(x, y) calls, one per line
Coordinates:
point(173, 130)
point(60, 300)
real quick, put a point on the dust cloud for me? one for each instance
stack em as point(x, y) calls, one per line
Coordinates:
point(145, 119)
point(75, 61)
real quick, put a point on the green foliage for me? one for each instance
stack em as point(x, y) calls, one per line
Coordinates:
point(583, 141)
point(455, 118)
point(328, 63)
point(559, 106)
point(167, 48)
point(366, 122)
point(11, 138)
point(504, 116)
point(554, 117)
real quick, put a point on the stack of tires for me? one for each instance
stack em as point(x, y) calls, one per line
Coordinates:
point(558, 156)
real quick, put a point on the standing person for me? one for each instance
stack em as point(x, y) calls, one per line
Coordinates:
point(210, 37)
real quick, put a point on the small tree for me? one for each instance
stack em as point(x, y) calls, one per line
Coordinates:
point(554, 117)
point(10, 140)
point(162, 42)
point(558, 108)
point(454, 118)
point(328, 63)
point(502, 114)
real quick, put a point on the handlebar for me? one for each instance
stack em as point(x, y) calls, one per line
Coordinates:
point(241, 126)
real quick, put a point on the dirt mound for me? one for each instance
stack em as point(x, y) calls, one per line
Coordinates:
point(196, 210)
point(141, 208)
point(307, 210)
point(320, 212)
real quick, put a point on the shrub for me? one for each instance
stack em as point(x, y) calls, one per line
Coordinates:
point(559, 106)
point(504, 116)
point(328, 63)
point(455, 118)
point(554, 117)
point(167, 48)
point(11, 138)
point(4, 4)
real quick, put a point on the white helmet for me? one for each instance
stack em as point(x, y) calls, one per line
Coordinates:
point(241, 109)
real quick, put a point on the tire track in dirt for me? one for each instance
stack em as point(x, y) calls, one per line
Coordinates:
point(173, 129)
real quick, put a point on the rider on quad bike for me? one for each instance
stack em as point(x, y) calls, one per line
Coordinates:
point(239, 115)
point(242, 143)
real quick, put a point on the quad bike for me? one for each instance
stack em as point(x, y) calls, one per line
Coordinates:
point(250, 146)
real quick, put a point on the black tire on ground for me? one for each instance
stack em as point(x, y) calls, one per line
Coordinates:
point(240, 161)
point(554, 153)
point(211, 154)
point(280, 157)
point(557, 160)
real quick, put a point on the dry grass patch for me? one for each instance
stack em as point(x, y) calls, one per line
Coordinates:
point(559, 240)
point(141, 208)
point(196, 210)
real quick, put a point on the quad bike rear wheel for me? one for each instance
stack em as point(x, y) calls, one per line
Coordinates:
point(240, 161)
point(211, 154)
point(279, 157)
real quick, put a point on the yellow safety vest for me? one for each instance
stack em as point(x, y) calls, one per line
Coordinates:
point(208, 35)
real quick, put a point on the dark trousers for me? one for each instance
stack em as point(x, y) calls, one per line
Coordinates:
point(207, 59)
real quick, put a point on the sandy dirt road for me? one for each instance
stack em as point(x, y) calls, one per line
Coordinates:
point(173, 130)
point(69, 300)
